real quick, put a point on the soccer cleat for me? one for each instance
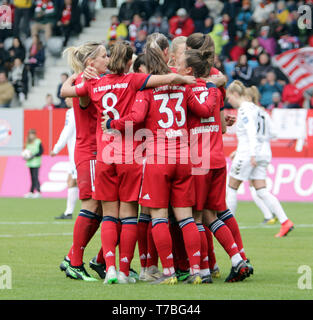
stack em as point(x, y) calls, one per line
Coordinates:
point(37, 195)
point(251, 270)
point(286, 227)
point(142, 275)
point(29, 195)
point(152, 273)
point(64, 264)
point(64, 216)
point(123, 279)
point(79, 273)
point(98, 267)
point(182, 275)
point(216, 273)
point(207, 279)
point(133, 274)
point(193, 279)
point(111, 276)
point(238, 273)
point(171, 280)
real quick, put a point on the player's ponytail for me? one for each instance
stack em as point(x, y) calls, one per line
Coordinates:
point(254, 94)
point(238, 87)
point(198, 61)
point(120, 54)
point(155, 59)
point(77, 56)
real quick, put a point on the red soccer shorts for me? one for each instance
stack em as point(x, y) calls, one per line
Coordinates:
point(167, 183)
point(86, 178)
point(211, 190)
point(115, 182)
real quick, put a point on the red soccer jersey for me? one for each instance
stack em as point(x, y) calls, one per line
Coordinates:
point(199, 126)
point(163, 111)
point(85, 119)
point(113, 95)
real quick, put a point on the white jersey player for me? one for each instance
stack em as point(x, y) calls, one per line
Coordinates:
point(254, 132)
point(68, 138)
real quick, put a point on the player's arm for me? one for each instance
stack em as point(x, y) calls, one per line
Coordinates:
point(205, 109)
point(136, 116)
point(171, 78)
point(68, 90)
point(219, 79)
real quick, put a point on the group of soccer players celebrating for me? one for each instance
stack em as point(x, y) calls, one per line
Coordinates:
point(153, 138)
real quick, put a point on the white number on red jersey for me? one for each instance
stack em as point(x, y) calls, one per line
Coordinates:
point(110, 108)
point(165, 109)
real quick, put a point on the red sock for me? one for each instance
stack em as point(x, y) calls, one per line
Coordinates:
point(70, 253)
point(142, 234)
point(152, 253)
point(128, 239)
point(100, 259)
point(232, 224)
point(163, 242)
point(204, 263)
point(192, 243)
point(179, 251)
point(211, 252)
point(224, 237)
point(109, 236)
point(84, 225)
point(119, 229)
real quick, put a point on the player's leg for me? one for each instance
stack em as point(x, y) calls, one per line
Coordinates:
point(268, 216)
point(274, 206)
point(239, 270)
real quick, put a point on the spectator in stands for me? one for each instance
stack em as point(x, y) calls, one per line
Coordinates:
point(84, 7)
point(157, 23)
point(140, 42)
point(208, 25)
point(218, 64)
point(254, 50)
point(268, 86)
point(136, 25)
point(282, 13)
point(292, 96)
point(287, 42)
point(198, 14)
point(45, 18)
point(65, 21)
point(276, 102)
point(6, 91)
point(19, 78)
point(231, 7)
point(181, 24)
point(49, 102)
point(36, 57)
point(22, 12)
point(243, 71)
point(217, 36)
point(116, 31)
point(4, 57)
point(127, 11)
point(244, 17)
point(17, 50)
point(266, 41)
point(7, 19)
point(262, 11)
point(237, 50)
point(62, 104)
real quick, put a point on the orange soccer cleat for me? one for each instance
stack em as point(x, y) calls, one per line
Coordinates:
point(286, 227)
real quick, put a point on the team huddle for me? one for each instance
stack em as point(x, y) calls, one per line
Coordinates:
point(153, 137)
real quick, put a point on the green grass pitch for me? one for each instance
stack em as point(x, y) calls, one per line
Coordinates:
point(33, 244)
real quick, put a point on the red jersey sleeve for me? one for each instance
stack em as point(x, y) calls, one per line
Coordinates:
point(82, 89)
point(137, 114)
point(202, 110)
point(139, 81)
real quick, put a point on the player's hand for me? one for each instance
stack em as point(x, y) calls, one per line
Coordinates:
point(73, 78)
point(105, 119)
point(189, 79)
point(230, 120)
point(232, 155)
point(91, 73)
point(253, 162)
point(52, 154)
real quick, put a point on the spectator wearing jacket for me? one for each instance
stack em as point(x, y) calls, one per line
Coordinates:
point(244, 17)
point(17, 50)
point(22, 14)
point(157, 23)
point(127, 11)
point(116, 31)
point(181, 24)
point(254, 50)
point(198, 14)
point(19, 79)
point(6, 91)
point(292, 96)
point(269, 85)
point(243, 71)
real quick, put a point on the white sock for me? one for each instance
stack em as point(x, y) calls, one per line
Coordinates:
point(235, 259)
point(205, 272)
point(273, 204)
point(231, 199)
point(260, 204)
point(72, 196)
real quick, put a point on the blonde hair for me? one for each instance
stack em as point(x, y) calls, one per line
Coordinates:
point(77, 56)
point(121, 53)
point(174, 47)
point(254, 94)
point(238, 87)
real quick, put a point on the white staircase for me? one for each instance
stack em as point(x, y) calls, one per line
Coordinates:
point(55, 66)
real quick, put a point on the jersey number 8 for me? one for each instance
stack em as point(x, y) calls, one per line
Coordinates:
point(110, 108)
